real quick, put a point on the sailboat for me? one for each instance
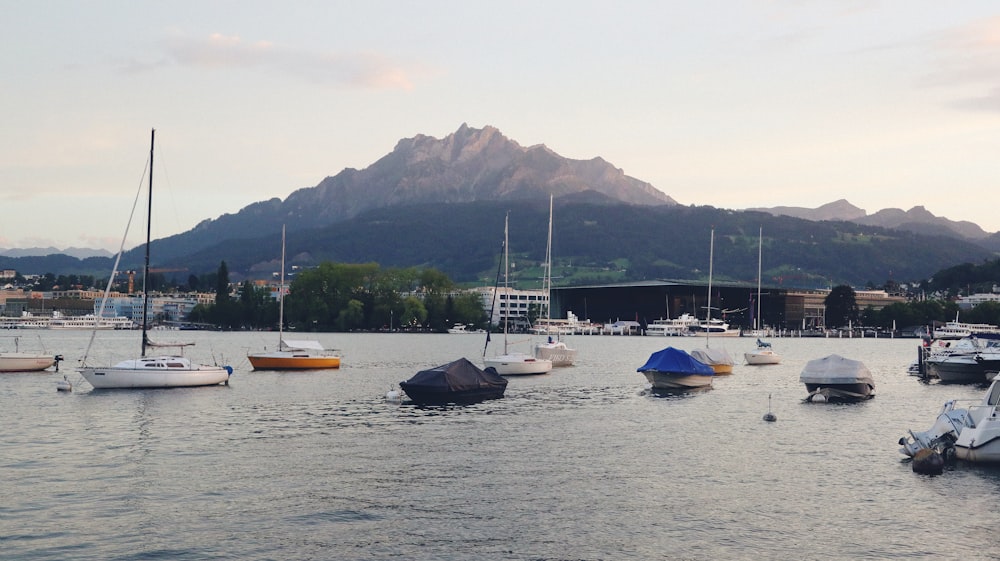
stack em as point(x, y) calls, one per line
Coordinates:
point(719, 359)
point(18, 361)
point(553, 349)
point(161, 371)
point(763, 354)
point(511, 363)
point(297, 354)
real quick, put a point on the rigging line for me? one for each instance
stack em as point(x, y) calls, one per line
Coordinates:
point(114, 269)
point(496, 285)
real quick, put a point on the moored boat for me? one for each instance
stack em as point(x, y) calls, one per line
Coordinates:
point(762, 355)
point(165, 371)
point(459, 381)
point(719, 359)
point(554, 350)
point(18, 361)
point(971, 360)
point(512, 363)
point(675, 369)
point(980, 441)
point(292, 354)
point(835, 378)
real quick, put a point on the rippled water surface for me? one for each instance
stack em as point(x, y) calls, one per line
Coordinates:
point(582, 463)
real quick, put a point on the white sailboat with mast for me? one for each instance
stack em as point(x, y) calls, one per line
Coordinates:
point(511, 363)
point(161, 371)
point(763, 354)
point(554, 348)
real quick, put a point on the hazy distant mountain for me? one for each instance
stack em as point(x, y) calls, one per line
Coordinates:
point(78, 252)
point(918, 220)
point(837, 210)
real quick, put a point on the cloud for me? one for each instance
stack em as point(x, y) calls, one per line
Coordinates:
point(969, 60)
point(218, 51)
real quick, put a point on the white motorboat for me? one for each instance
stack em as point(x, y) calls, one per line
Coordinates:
point(971, 433)
point(166, 371)
point(971, 360)
point(511, 363)
point(762, 355)
point(462, 329)
point(980, 441)
point(835, 378)
point(553, 350)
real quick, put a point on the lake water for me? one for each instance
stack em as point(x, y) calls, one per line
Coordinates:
point(583, 463)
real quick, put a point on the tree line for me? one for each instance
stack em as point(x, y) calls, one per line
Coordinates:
point(842, 310)
point(346, 297)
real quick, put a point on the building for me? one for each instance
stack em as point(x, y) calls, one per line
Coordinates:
point(645, 301)
point(511, 303)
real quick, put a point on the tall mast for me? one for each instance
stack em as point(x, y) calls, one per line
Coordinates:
point(506, 276)
point(281, 291)
point(547, 281)
point(711, 260)
point(149, 226)
point(757, 323)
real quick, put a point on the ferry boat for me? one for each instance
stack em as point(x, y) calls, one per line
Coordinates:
point(677, 327)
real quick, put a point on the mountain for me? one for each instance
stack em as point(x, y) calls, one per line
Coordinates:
point(440, 203)
point(837, 210)
point(78, 252)
point(599, 240)
point(465, 166)
point(918, 220)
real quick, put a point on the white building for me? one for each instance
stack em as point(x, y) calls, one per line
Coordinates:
point(973, 300)
point(512, 303)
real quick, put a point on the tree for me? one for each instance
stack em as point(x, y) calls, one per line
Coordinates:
point(222, 284)
point(841, 306)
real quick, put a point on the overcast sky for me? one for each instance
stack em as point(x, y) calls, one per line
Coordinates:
point(733, 104)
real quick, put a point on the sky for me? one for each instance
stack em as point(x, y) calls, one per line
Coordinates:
point(733, 104)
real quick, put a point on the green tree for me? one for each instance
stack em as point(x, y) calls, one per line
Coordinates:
point(841, 306)
point(222, 284)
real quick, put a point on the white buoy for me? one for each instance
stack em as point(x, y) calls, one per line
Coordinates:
point(770, 417)
point(64, 385)
point(392, 396)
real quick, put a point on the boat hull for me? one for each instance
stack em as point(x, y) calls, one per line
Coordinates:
point(558, 353)
point(21, 362)
point(972, 451)
point(840, 392)
point(677, 381)
point(155, 372)
point(965, 370)
point(291, 361)
point(518, 365)
point(757, 358)
point(425, 396)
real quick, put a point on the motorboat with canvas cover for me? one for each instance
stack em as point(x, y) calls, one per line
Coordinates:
point(719, 359)
point(674, 369)
point(459, 381)
point(835, 378)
